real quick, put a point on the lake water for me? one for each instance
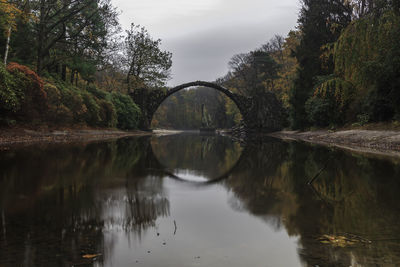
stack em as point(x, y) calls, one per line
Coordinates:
point(197, 200)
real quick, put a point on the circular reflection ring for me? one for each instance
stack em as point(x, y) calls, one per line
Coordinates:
point(212, 181)
point(208, 182)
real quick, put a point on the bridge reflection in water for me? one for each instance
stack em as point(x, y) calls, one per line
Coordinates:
point(63, 201)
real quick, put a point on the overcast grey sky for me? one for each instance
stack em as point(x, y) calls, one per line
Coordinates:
point(204, 34)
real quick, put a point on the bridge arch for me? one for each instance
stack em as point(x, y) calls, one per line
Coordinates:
point(149, 101)
point(261, 113)
point(234, 97)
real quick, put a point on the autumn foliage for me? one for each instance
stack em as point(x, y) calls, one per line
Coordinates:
point(33, 102)
point(26, 98)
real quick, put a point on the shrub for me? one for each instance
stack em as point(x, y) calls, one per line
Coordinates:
point(24, 96)
point(9, 98)
point(100, 94)
point(58, 113)
point(319, 111)
point(64, 115)
point(363, 119)
point(54, 101)
point(34, 103)
point(128, 112)
point(73, 100)
point(107, 113)
point(331, 102)
point(92, 117)
point(53, 94)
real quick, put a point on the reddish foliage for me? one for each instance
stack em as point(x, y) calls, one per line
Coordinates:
point(35, 99)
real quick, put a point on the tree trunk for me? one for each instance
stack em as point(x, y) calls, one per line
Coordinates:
point(64, 72)
point(39, 65)
point(72, 76)
point(362, 8)
point(56, 69)
point(7, 45)
point(128, 81)
point(40, 44)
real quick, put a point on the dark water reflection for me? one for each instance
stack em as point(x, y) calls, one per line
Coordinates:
point(191, 200)
point(198, 158)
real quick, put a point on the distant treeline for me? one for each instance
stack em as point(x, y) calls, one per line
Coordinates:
point(341, 66)
point(183, 110)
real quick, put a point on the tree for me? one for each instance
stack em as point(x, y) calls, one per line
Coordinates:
point(9, 13)
point(67, 23)
point(362, 8)
point(148, 65)
point(320, 23)
point(251, 72)
point(281, 50)
point(91, 48)
point(275, 47)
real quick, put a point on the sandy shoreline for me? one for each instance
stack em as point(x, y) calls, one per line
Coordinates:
point(11, 137)
point(369, 141)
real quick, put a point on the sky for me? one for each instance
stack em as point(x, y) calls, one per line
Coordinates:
point(204, 34)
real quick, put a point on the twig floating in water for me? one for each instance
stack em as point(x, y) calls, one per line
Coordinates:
point(318, 173)
point(175, 227)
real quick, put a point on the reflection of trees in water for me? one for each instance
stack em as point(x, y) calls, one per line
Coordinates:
point(146, 202)
point(354, 194)
point(56, 200)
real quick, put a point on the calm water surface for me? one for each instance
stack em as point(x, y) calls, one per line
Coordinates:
point(192, 200)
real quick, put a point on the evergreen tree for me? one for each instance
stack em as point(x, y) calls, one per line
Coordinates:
point(320, 23)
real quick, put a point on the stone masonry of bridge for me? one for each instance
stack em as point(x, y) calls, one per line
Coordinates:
point(263, 113)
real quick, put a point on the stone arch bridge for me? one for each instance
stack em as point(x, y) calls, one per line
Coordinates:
point(261, 113)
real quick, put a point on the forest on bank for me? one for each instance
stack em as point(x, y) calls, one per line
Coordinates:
point(69, 63)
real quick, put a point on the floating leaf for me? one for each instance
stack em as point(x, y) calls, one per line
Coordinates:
point(342, 240)
point(90, 256)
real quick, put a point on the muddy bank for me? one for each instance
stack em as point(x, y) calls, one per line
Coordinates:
point(371, 141)
point(26, 136)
